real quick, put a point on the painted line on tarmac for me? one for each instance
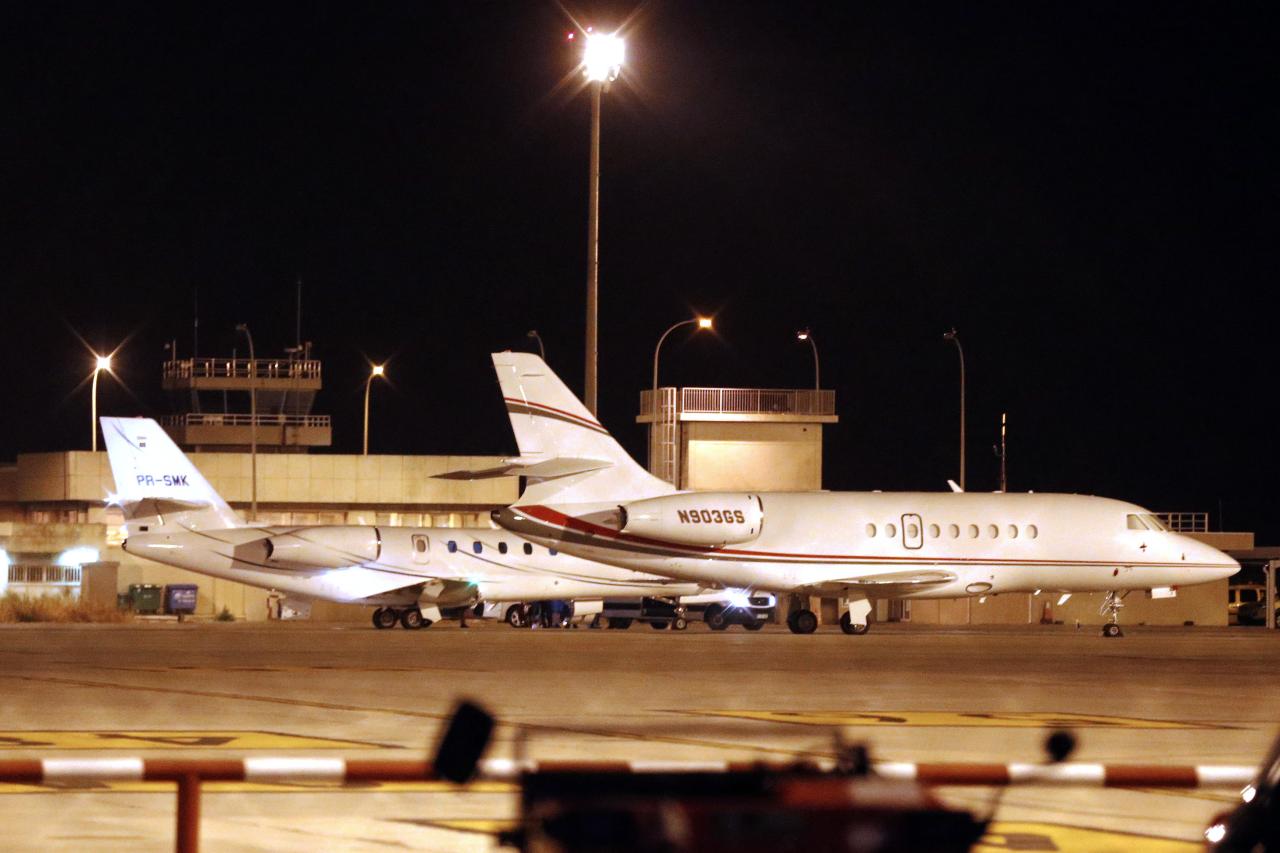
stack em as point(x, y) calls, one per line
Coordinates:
point(543, 728)
point(956, 719)
point(267, 788)
point(173, 739)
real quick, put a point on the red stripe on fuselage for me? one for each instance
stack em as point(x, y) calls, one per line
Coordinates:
point(568, 522)
point(579, 418)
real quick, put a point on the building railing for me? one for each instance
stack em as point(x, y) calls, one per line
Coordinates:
point(241, 368)
point(41, 573)
point(750, 401)
point(1185, 522)
point(263, 420)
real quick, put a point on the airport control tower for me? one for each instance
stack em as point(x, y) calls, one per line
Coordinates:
point(214, 396)
point(737, 438)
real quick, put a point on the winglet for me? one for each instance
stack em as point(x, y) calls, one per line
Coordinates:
point(955, 487)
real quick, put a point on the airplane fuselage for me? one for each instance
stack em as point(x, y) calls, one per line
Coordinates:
point(965, 543)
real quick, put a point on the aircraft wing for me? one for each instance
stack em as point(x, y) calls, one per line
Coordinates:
point(887, 584)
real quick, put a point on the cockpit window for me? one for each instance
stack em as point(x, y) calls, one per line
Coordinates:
point(1136, 522)
point(1154, 522)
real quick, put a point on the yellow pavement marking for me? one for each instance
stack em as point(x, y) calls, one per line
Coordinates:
point(169, 739)
point(267, 788)
point(1076, 839)
point(998, 719)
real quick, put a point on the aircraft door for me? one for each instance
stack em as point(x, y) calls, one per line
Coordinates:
point(912, 531)
point(421, 548)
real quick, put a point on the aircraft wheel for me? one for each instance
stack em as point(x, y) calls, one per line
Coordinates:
point(753, 625)
point(619, 623)
point(660, 625)
point(679, 623)
point(849, 627)
point(412, 619)
point(384, 617)
point(515, 617)
point(802, 622)
point(1111, 629)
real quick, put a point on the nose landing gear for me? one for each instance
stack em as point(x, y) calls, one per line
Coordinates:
point(1111, 607)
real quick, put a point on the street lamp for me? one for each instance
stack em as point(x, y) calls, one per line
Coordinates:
point(103, 363)
point(602, 58)
point(702, 323)
point(806, 335)
point(533, 333)
point(955, 339)
point(377, 370)
point(253, 424)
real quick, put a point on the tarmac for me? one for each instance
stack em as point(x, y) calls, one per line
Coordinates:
point(910, 693)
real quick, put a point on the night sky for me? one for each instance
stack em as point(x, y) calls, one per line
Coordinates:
point(1085, 192)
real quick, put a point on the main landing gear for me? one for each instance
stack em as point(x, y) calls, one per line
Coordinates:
point(1111, 607)
point(410, 618)
point(802, 621)
point(854, 620)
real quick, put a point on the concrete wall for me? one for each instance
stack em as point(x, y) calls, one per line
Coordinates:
point(779, 457)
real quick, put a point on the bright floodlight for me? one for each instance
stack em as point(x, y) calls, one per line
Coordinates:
point(377, 370)
point(104, 362)
point(704, 322)
point(602, 57)
point(802, 335)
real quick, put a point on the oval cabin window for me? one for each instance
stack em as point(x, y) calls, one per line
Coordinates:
point(953, 530)
point(871, 530)
point(993, 531)
point(890, 530)
point(1013, 531)
point(934, 531)
point(1032, 531)
point(973, 531)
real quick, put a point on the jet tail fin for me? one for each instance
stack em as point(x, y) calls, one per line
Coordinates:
point(551, 424)
point(156, 484)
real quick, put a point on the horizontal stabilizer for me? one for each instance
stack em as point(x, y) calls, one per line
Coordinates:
point(547, 469)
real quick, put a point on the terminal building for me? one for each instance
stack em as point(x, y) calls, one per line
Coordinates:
point(55, 518)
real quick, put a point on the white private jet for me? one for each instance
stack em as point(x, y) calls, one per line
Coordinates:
point(173, 516)
point(597, 503)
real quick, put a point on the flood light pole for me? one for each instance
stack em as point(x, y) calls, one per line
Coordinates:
point(601, 61)
point(253, 425)
point(806, 335)
point(955, 339)
point(103, 363)
point(377, 370)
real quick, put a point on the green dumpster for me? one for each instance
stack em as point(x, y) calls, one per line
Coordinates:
point(146, 597)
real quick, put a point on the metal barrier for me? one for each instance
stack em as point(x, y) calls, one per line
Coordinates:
point(1185, 522)
point(228, 368)
point(195, 419)
point(190, 774)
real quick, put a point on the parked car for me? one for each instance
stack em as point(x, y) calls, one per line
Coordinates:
point(1241, 594)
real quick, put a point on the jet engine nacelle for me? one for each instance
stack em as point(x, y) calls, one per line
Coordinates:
point(698, 518)
point(323, 547)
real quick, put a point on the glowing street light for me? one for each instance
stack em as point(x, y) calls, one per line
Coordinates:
point(955, 339)
point(701, 322)
point(253, 424)
point(602, 58)
point(806, 335)
point(377, 370)
point(103, 362)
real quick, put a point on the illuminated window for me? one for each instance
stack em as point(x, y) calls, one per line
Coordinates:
point(953, 530)
point(528, 549)
point(993, 531)
point(453, 547)
point(871, 530)
point(1032, 531)
point(890, 530)
point(1013, 531)
point(973, 531)
point(502, 547)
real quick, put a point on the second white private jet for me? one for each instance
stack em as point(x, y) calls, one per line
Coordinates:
point(173, 516)
point(588, 497)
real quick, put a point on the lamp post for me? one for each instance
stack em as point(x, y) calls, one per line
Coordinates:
point(253, 425)
point(377, 370)
point(955, 339)
point(602, 58)
point(103, 363)
point(702, 323)
point(533, 333)
point(806, 335)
